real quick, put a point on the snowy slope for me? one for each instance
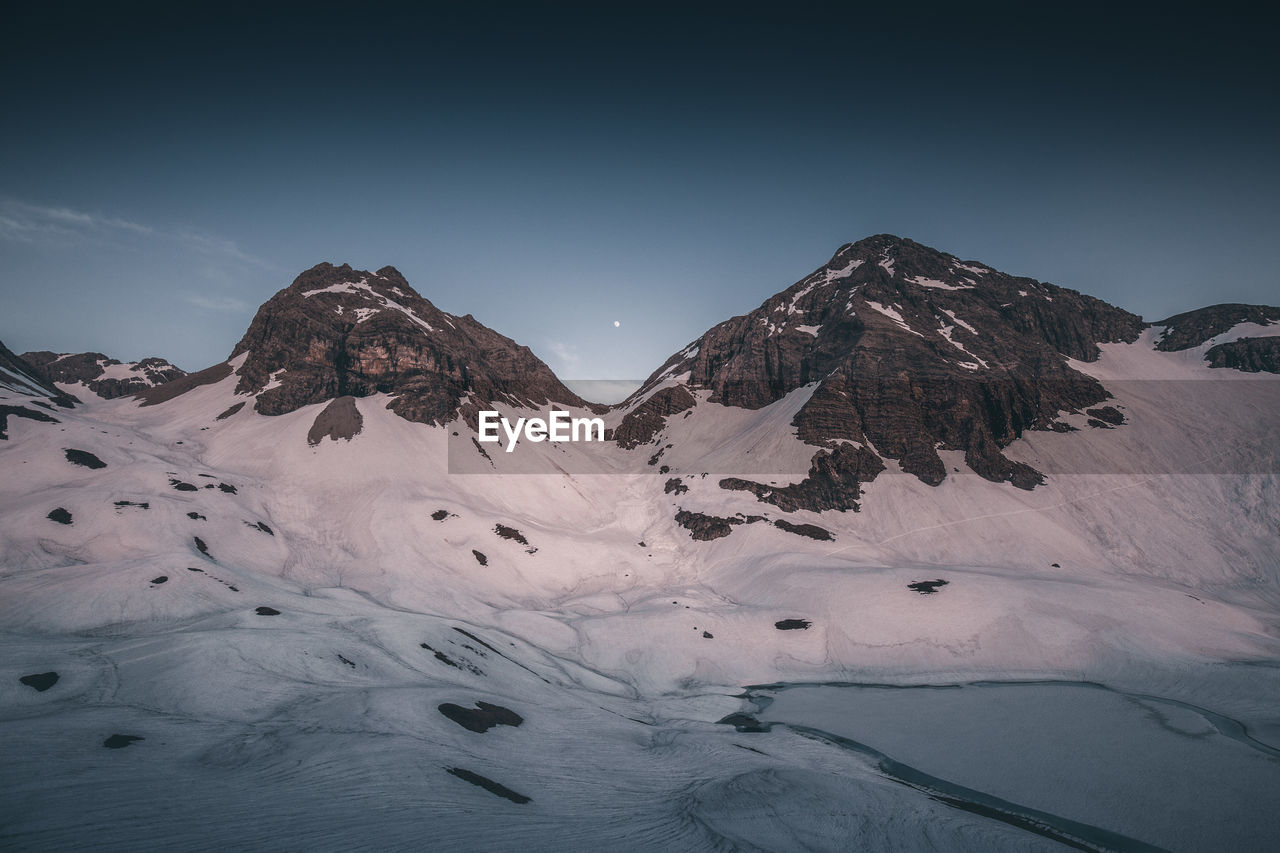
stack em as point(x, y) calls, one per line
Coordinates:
point(395, 580)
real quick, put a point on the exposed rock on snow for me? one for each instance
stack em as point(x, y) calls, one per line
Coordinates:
point(704, 527)
point(811, 531)
point(1193, 328)
point(83, 458)
point(339, 419)
point(510, 533)
point(640, 424)
point(40, 681)
point(21, 412)
point(1107, 414)
point(835, 481)
point(489, 785)
point(482, 717)
point(1250, 355)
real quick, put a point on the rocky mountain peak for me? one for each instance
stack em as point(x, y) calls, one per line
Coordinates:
point(909, 350)
point(338, 331)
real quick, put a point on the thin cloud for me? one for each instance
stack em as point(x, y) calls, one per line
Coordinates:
point(213, 245)
point(566, 355)
point(220, 304)
point(20, 220)
point(24, 222)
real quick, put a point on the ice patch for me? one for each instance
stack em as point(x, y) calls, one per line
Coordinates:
point(969, 365)
point(961, 323)
point(792, 309)
point(809, 330)
point(362, 286)
point(893, 315)
point(845, 271)
point(342, 287)
point(936, 284)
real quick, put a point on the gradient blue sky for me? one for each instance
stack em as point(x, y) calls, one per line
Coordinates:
point(164, 170)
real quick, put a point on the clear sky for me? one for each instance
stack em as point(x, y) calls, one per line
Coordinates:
point(164, 169)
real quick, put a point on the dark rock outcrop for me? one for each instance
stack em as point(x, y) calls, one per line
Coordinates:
point(835, 482)
point(1193, 328)
point(59, 515)
point(1107, 414)
point(510, 533)
point(812, 531)
point(482, 717)
point(703, 527)
point(83, 458)
point(40, 681)
point(495, 788)
point(21, 412)
point(642, 423)
point(1250, 355)
point(339, 419)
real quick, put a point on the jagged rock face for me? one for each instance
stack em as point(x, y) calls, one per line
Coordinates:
point(1193, 328)
point(835, 482)
point(644, 421)
point(1249, 355)
point(911, 350)
point(19, 377)
point(107, 377)
point(340, 332)
point(25, 394)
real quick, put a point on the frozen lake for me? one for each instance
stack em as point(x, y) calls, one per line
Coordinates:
point(1080, 762)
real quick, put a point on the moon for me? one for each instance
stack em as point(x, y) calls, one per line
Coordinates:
point(616, 324)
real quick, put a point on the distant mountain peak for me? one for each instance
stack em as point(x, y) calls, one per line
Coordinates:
point(107, 377)
point(337, 331)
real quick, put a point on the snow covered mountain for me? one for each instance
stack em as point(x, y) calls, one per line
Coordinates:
point(917, 555)
point(106, 377)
